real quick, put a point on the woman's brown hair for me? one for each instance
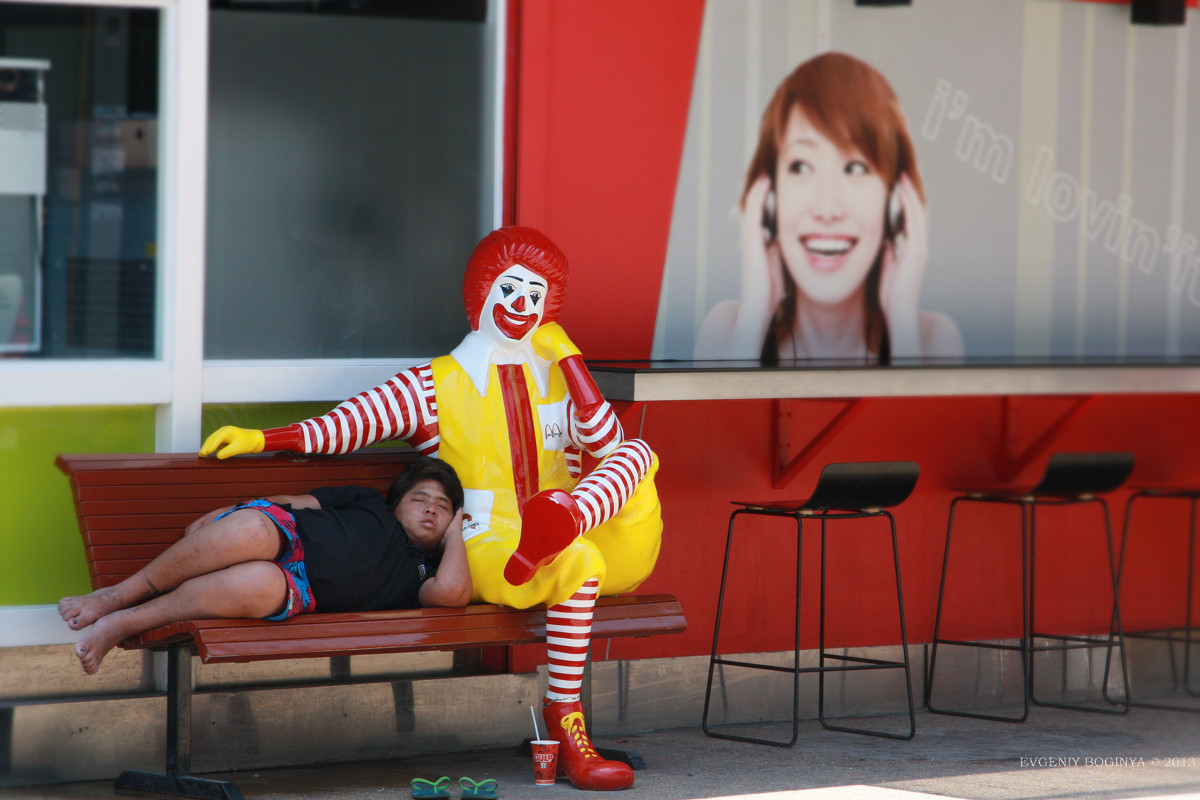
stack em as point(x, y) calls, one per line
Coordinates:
point(851, 103)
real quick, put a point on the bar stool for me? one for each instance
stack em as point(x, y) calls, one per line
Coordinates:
point(1070, 479)
point(1172, 636)
point(843, 492)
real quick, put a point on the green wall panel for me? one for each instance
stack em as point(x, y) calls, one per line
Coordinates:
point(39, 538)
point(265, 415)
point(259, 415)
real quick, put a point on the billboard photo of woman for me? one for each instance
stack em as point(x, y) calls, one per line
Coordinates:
point(833, 232)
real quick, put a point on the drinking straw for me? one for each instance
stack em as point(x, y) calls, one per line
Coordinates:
point(537, 736)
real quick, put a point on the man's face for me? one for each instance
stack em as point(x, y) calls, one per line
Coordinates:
point(514, 306)
point(425, 511)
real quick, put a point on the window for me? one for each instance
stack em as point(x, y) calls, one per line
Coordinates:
point(78, 181)
point(350, 173)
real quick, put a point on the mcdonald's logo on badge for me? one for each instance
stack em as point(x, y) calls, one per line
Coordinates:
point(552, 419)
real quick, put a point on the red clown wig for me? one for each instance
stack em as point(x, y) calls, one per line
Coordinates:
point(507, 247)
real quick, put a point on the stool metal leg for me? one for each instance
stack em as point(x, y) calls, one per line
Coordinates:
point(860, 663)
point(931, 663)
point(854, 663)
point(712, 661)
point(1023, 647)
point(1113, 574)
point(715, 660)
point(1169, 636)
point(1191, 588)
point(1083, 642)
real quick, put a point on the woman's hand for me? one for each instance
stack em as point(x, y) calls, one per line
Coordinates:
point(762, 277)
point(736, 328)
point(903, 270)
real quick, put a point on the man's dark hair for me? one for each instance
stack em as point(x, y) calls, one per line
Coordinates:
point(426, 468)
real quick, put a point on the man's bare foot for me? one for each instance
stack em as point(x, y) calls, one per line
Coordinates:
point(79, 612)
point(94, 645)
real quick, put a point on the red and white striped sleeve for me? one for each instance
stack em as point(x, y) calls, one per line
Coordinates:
point(598, 431)
point(403, 408)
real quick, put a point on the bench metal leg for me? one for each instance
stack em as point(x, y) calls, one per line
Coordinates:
point(177, 785)
point(177, 779)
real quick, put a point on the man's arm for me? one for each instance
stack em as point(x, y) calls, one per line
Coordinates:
point(450, 587)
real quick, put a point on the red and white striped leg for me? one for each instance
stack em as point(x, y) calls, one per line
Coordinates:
point(610, 485)
point(568, 633)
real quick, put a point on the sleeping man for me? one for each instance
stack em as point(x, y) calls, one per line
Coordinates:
point(343, 548)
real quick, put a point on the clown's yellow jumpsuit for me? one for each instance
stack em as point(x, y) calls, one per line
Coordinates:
point(507, 442)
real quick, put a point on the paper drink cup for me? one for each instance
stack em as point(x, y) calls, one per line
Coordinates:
point(545, 761)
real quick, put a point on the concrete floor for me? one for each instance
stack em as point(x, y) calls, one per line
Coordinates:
point(1054, 754)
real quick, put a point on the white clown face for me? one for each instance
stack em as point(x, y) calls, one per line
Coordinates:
point(514, 306)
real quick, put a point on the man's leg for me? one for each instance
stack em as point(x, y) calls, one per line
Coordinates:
point(253, 589)
point(244, 535)
point(568, 633)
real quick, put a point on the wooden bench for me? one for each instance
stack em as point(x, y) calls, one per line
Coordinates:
point(132, 507)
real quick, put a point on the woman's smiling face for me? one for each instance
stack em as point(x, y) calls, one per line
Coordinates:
point(829, 212)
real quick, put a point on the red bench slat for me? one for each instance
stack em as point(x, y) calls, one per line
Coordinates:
point(323, 635)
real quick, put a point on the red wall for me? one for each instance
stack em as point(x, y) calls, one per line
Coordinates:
point(602, 102)
point(602, 90)
point(715, 452)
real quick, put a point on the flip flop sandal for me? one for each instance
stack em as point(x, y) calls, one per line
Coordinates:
point(483, 790)
point(423, 788)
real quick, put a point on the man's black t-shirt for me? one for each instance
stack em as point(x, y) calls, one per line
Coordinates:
point(357, 555)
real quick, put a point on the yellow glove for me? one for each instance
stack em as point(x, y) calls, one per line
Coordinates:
point(230, 441)
point(551, 342)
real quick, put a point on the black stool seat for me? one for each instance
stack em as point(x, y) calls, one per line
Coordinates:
point(843, 491)
point(1189, 636)
point(1070, 478)
point(852, 486)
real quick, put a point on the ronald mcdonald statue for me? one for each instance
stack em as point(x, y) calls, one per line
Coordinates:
point(512, 408)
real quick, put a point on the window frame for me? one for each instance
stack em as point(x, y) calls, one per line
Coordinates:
point(179, 381)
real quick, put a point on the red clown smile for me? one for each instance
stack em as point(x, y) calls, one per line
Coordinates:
point(514, 326)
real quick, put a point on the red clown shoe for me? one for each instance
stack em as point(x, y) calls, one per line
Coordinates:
point(550, 521)
point(577, 759)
